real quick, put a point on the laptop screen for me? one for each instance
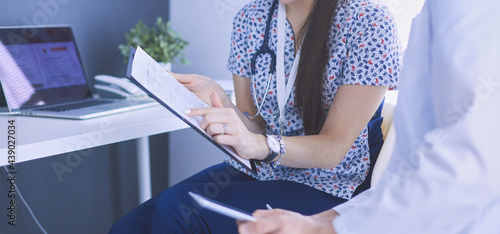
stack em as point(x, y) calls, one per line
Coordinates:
point(40, 66)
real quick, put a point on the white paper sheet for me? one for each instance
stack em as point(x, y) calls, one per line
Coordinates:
point(158, 82)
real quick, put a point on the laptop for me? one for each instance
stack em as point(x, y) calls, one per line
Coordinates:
point(41, 74)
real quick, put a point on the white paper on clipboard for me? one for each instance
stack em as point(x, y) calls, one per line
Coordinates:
point(164, 88)
point(221, 208)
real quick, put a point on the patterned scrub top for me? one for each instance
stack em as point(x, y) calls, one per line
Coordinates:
point(365, 50)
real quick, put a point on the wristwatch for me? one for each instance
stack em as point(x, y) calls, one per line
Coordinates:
point(274, 148)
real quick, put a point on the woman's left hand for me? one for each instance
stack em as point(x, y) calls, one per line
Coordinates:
point(201, 86)
point(226, 128)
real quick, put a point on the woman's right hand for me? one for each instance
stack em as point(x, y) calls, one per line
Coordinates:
point(200, 85)
point(227, 128)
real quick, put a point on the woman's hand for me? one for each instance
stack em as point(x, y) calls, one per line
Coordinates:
point(226, 128)
point(283, 221)
point(200, 85)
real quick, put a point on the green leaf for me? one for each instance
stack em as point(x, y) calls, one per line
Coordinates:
point(160, 41)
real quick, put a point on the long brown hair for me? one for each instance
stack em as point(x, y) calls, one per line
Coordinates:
point(312, 65)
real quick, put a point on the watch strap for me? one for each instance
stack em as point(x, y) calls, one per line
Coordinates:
point(272, 154)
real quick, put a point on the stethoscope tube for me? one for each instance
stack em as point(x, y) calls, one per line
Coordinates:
point(259, 106)
point(264, 49)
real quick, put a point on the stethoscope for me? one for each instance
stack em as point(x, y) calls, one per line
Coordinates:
point(264, 49)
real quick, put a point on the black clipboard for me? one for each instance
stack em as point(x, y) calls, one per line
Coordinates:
point(252, 167)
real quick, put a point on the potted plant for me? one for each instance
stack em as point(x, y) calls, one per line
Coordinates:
point(160, 42)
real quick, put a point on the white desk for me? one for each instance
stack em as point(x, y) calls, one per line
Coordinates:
point(38, 137)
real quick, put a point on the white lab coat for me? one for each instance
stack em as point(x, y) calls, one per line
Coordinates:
point(444, 176)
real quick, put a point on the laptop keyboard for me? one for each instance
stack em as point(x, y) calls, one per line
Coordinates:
point(74, 105)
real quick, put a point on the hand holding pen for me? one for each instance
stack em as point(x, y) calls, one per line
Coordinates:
point(283, 221)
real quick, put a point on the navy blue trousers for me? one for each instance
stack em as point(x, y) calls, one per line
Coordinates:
point(173, 211)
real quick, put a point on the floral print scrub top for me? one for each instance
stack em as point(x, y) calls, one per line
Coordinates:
point(364, 50)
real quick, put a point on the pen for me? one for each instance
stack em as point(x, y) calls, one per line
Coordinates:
point(269, 207)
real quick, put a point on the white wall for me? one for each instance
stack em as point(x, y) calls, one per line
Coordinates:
point(207, 24)
point(404, 11)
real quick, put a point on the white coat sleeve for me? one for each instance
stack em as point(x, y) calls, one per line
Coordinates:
point(450, 178)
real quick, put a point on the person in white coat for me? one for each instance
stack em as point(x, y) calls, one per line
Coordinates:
point(444, 175)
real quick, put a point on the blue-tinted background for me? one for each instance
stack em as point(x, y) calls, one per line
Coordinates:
point(103, 186)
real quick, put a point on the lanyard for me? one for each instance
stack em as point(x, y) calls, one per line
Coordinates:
point(283, 92)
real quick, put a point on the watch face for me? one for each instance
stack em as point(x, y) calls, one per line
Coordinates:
point(273, 144)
